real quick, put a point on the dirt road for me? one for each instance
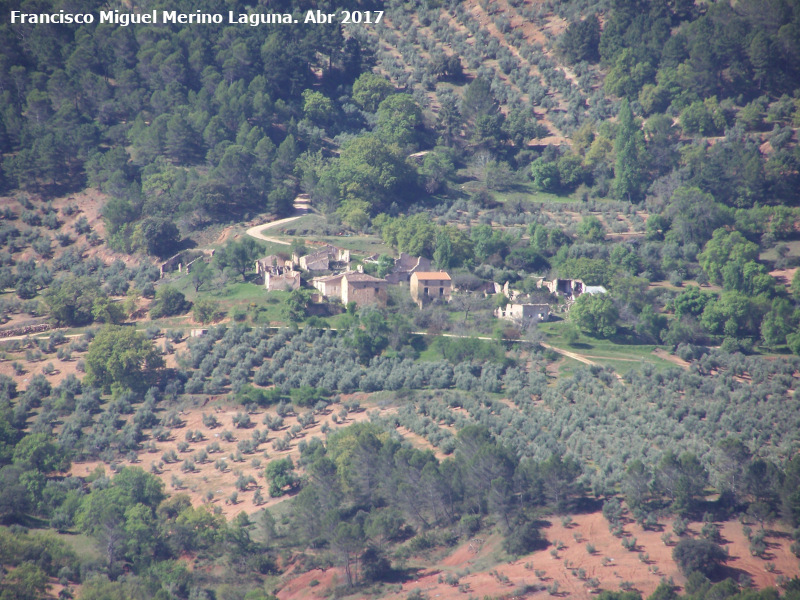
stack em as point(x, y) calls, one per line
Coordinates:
point(573, 355)
point(300, 209)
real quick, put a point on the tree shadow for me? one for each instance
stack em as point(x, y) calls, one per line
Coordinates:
point(629, 338)
point(397, 575)
point(726, 572)
point(586, 505)
point(185, 244)
point(774, 533)
point(580, 345)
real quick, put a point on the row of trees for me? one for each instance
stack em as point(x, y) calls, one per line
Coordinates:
point(315, 360)
point(363, 490)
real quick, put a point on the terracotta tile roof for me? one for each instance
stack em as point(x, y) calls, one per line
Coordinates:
point(440, 275)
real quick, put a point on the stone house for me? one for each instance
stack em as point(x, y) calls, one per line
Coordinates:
point(406, 265)
point(523, 313)
point(363, 289)
point(352, 286)
point(329, 286)
point(426, 286)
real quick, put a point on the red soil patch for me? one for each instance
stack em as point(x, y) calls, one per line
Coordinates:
point(465, 554)
point(206, 478)
point(300, 588)
point(62, 368)
point(501, 579)
point(224, 235)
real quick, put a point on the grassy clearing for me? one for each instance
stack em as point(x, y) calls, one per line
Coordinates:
point(523, 191)
point(772, 253)
point(520, 194)
point(309, 223)
point(240, 291)
point(271, 310)
point(565, 367)
point(667, 285)
point(305, 228)
point(368, 244)
point(430, 354)
point(84, 546)
point(273, 248)
point(620, 357)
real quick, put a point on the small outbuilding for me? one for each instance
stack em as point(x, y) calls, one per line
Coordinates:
point(523, 313)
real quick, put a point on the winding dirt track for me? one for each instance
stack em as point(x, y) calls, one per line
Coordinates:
point(573, 355)
point(300, 209)
point(256, 231)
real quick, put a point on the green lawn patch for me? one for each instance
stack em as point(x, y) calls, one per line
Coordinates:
point(368, 244)
point(620, 357)
point(772, 253)
point(84, 546)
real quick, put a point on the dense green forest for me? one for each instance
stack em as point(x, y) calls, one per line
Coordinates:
point(646, 146)
point(170, 124)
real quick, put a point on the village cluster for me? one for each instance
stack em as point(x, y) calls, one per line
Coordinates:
point(337, 281)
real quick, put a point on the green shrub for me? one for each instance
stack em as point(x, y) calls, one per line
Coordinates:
point(704, 556)
point(522, 538)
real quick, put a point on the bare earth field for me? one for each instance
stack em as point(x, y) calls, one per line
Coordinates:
point(475, 566)
point(206, 477)
point(62, 368)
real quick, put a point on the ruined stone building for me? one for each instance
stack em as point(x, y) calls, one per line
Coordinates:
point(285, 280)
point(571, 288)
point(279, 274)
point(183, 261)
point(327, 258)
point(272, 263)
